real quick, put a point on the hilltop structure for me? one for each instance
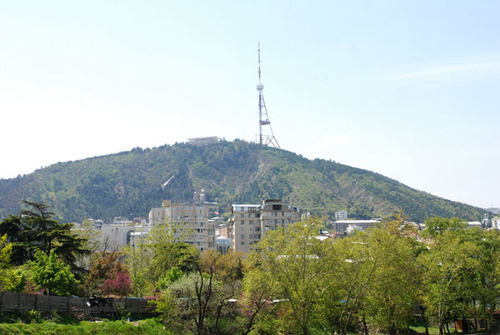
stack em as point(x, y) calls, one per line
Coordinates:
point(264, 138)
point(200, 141)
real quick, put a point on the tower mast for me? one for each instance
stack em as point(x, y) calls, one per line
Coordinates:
point(264, 139)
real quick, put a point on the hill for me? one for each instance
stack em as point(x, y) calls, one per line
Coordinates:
point(493, 210)
point(130, 183)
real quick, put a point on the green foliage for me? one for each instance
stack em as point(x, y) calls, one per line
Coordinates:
point(143, 327)
point(292, 266)
point(370, 278)
point(34, 316)
point(149, 260)
point(393, 289)
point(199, 302)
point(36, 230)
point(131, 182)
point(450, 267)
point(436, 226)
point(53, 274)
point(489, 271)
point(10, 279)
point(171, 276)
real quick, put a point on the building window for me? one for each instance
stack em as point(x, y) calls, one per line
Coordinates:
point(242, 236)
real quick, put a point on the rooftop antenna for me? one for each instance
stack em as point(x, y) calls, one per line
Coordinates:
point(264, 139)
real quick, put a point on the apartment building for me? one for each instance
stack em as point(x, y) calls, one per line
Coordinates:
point(249, 223)
point(346, 226)
point(244, 227)
point(275, 214)
point(189, 223)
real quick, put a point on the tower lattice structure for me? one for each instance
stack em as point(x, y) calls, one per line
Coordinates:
point(265, 137)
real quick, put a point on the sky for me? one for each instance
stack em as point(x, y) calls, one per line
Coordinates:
point(408, 89)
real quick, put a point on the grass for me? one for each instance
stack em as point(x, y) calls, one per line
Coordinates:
point(148, 326)
point(421, 330)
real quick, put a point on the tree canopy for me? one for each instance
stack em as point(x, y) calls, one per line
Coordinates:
point(34, 229)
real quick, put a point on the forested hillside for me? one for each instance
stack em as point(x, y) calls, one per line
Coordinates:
point(130, 183)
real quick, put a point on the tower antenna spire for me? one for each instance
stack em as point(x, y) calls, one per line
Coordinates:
point(264, 139)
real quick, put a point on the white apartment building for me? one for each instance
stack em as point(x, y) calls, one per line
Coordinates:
point(244, 228)
point(341, 215)
point(189, 223)
point(249, 223)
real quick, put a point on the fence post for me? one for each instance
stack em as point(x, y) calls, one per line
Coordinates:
point(18, 302)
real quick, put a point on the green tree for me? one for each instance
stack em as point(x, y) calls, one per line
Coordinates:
point(487, 279)
point(168, 278)
point(294, 266)
point(490, 271)
point(36, 230)
point(52, 274)
point(150, 258)
point(344, 301)
point(449, 276)
point(198, 301)
point(436, 226)
point(377, 280)
point(394, 285)
point(10, 279)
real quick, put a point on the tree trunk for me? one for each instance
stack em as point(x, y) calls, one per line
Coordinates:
point(426, 323)
point(364, 325)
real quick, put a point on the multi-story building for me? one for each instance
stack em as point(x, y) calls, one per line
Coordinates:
point(244, 228)
point(341, 215)
point(189, 223)
point(250, 222)
point(347, 226)
point(275, 214)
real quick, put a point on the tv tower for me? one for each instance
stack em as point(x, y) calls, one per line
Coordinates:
point(265, 139)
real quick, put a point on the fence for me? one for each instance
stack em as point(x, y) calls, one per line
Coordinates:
point(23, 302)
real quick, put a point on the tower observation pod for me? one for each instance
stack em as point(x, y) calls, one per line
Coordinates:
point(266, 135)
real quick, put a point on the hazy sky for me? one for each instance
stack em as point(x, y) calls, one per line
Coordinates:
point(409, 89)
